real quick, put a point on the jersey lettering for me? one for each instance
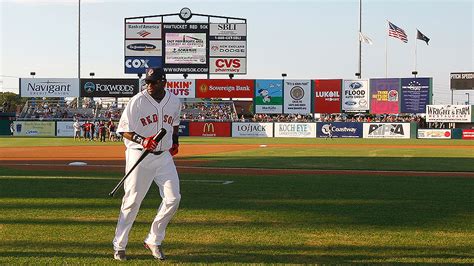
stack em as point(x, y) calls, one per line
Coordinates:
point(168, 119)
point(149, 119)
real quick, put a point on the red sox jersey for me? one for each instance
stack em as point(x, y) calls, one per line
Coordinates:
point(145, 116)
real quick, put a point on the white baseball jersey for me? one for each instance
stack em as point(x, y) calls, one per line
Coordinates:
point(145, 116)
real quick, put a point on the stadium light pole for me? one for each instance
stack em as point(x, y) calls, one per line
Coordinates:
point(185, 75)
point(92, 74)
point(283, 75)
point(33, 74)
point(414, 73)
point(468, 101)
point(231, 76)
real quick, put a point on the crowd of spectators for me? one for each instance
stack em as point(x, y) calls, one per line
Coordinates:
point(214, 111)
point(196, 111)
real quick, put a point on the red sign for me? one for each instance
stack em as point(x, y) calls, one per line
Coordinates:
point(468, 134)
point(209, 129)
point(225, 88)
point(327, 96)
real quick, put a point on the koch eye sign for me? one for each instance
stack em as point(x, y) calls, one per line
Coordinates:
point(138, 64)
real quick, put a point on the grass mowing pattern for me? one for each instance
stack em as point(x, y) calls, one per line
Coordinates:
point(257, 219)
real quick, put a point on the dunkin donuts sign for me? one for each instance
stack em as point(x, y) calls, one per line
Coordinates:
point(182, 88)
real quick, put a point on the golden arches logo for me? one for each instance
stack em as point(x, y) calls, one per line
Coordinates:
point(208, 128)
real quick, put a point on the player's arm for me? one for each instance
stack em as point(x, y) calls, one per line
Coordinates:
point(175, 146)
point(148, 143)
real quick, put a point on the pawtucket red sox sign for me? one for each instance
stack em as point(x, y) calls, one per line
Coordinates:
point(224, 88)
point(327, 96)
point(209, 129)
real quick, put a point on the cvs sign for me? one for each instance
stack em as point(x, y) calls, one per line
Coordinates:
point(221, 65)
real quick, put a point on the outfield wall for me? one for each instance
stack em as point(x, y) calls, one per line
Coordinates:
point(269, 130)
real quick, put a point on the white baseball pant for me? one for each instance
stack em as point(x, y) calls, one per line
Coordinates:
point(158, 168)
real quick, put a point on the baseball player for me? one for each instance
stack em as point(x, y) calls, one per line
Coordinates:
point(146, 113)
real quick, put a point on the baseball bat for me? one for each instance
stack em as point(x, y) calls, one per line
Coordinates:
point(157, 138)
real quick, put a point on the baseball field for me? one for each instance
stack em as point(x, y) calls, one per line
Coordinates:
point(262, 201)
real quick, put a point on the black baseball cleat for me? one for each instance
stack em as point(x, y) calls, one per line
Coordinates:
point(120, 255)
point(156, 251)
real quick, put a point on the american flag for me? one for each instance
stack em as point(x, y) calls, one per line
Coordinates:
point(397, 32)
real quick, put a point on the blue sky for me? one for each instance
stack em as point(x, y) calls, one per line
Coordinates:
point(305, 39)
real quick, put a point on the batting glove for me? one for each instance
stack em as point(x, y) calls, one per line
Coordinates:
point(149, 143)
point(174, 149)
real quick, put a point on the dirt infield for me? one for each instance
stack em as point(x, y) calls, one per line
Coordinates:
point(112, 158)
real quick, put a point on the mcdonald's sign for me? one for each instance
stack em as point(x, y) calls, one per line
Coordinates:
point(210, 129)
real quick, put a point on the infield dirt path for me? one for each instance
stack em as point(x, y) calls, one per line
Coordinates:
point(112, 158)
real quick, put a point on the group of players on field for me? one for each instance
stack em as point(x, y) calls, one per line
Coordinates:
point(100, 130)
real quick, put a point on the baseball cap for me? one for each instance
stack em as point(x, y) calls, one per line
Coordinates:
point(155, 74)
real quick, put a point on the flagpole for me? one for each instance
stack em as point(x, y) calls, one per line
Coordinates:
point(415, 53)
point(386, 57)
point(360, 41)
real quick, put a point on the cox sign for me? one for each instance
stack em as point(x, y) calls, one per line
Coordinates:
point(136, 65)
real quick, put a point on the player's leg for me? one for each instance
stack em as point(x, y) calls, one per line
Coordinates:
point(168, 182)
point(136, 186)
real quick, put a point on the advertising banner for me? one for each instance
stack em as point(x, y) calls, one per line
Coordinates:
point(186, 47)
point(227, 31)
point(109, 87)
point(386, 131)
point(49, 87)
point(209, 129)
point(434, 133)
point(297, 99)
point(295, 130)
point(448, 113)
point(142, 30)
point(252, 130)
point(224, 88)
point(384, 96)
point(268, 96)
point(468, 134)
point(221, 65)
point(143, 48)
point(228, 48)
point(339, 130)
point(183, 129)
point(355, 96)
point(64, 129)
point(34, 128)
point(415, 95)
point(462, 81)
point(138, 64)
point(183, 88)
point(327, 96)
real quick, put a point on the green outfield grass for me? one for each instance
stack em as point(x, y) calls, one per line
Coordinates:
point(66, 217)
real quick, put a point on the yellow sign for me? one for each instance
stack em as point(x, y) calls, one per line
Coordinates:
point(34, 128)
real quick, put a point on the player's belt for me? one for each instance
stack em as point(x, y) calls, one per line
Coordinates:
point(153, 152)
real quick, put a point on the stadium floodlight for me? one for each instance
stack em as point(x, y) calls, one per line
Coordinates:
point(358, 75)
point(283, 75)
point(414, 73)
point(92, 74)
point(468, 101)
point(185, 75)
point(140, 75)
point(231, 75)
point(32, 74)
